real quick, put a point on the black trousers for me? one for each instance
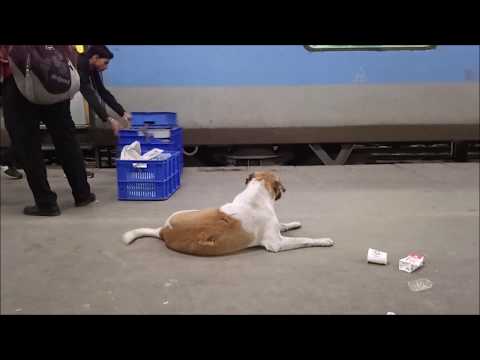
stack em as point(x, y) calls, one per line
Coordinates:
point(22, 120)
point(10, 159)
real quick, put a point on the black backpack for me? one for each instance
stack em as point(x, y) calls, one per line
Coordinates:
point(43, 74)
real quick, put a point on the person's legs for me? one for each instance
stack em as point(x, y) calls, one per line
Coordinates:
point(10, 157)
point(10, 160)
point(22, 120)
point(61, 127)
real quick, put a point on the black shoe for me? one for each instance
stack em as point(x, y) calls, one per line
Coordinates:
point(91, 198)
point(35, 211)
point(13, 173)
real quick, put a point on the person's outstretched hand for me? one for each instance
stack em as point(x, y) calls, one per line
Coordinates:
point(116, 126)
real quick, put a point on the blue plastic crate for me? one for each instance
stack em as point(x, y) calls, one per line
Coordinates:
point(148, 180)
point(154, 119)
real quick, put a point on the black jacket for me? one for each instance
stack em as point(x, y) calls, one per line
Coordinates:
point(90, 84)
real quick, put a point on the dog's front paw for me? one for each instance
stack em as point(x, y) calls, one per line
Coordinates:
point(324, 242)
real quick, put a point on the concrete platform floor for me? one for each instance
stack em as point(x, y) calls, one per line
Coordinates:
point(77, 264)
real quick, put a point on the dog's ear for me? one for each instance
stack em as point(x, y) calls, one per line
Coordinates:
point(249, 178)
point(279, 189)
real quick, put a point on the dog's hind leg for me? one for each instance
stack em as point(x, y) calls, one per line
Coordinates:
point(132, 235)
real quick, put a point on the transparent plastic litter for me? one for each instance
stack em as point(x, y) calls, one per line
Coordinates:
point(420, 285)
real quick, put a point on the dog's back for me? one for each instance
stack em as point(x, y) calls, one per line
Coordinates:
point(205, 232)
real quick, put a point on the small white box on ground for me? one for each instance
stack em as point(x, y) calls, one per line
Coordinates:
point(377, 257)
point(411, 263)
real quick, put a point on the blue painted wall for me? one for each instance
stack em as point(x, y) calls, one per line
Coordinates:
point(233, 65)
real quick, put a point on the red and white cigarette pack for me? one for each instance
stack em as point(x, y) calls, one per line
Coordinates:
point(411, 263)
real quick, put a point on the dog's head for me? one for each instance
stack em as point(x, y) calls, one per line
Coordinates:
point(271, 181)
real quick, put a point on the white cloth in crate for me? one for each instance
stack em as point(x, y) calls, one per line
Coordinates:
point(134, 150)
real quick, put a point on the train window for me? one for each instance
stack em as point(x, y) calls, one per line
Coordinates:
point(314, 48)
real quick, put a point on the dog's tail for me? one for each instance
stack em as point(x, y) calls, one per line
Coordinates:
point(132, 235)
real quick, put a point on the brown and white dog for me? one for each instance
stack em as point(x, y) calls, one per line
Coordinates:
point(248, 221)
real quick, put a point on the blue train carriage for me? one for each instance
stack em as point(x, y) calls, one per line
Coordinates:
point(247, 96)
